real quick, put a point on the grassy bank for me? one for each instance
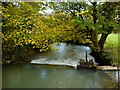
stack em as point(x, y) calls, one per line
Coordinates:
point(111, 47)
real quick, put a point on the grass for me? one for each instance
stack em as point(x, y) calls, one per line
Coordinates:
point(111, 47)
point(112, 39)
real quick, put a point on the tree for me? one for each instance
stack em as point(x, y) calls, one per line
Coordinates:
point(81, 22)
point(110, 12)
point(92, 19)
point(24, 26)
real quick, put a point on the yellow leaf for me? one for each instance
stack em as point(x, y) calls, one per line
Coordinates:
point(82, 12)
point(21, 2)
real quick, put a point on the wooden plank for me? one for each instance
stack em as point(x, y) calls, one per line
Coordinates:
point(108, 68)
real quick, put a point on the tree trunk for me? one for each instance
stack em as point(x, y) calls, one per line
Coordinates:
point(104, 37)
point(94, 39)
point(102, 41)
point(94, 33)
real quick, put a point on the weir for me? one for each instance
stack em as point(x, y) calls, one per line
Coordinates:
point(66, 55)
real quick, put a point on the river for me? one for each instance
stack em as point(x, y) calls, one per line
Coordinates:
point(48, 76)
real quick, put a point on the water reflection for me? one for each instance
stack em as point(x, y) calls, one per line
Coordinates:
point(30, 76)
point(43, 74)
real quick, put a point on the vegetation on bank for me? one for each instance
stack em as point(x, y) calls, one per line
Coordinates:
point(110, 52)
point(111, 47)
point(28, 25)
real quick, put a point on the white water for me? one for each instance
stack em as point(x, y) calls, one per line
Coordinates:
point(69, 55)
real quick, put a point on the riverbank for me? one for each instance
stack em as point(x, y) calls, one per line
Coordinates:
point(113, 77)
point(20, 56)
point(111, 47)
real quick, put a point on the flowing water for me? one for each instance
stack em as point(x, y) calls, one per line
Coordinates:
point(48, 76)
point(65, 54)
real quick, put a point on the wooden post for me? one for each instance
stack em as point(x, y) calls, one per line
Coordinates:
point(118, 75)
point(118, 66)
point(86, 59)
